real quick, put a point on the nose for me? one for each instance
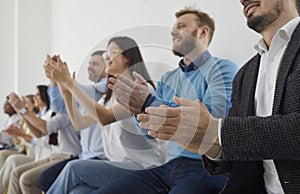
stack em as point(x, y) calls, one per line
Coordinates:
point(243, 2)
point(174, 31)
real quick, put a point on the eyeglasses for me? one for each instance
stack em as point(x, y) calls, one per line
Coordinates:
point(107, 55)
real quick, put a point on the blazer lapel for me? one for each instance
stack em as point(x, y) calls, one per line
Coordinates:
point(285, 65)
point(250, 85)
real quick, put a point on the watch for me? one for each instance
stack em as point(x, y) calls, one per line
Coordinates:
point(23, 111)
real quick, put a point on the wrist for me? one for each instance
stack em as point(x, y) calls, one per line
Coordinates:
point(210, 145)
point(69, 83)
point(23, 111)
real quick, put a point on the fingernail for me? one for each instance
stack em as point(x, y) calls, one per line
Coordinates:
point(147, 110)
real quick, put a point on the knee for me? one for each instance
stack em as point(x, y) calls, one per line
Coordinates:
point(23, 181)
point(43, 181)
point(27, 180)
point(15, 174)
point(72, 165)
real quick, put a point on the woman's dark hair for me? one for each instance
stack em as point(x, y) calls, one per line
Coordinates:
point(44, 95)
point(131, 52)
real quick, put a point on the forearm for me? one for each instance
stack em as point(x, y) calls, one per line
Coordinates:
point(27, 138)
point(253, 138)
point(36, 122)
point(37, 133)
point(116, 113)
point(95, 110)
point(77, 119)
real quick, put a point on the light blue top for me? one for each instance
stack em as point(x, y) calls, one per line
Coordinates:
point(208, 79)
point(90, 138)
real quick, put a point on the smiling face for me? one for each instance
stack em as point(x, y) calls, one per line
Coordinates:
point(8, 109)
point(184, 34)
point(29, 104)
point(115, 62)
point(38, 102)
point(261, 14)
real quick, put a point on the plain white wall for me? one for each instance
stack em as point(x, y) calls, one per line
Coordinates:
point(25, 38)
point(76, 28)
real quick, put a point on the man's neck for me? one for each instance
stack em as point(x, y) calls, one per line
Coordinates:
point(11, 114)
point(190, 57)
point(272, 29)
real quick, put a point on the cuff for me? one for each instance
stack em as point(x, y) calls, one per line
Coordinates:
point(218, 157)
point(148, 102)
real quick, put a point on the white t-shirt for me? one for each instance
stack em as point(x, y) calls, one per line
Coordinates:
point(122, 142)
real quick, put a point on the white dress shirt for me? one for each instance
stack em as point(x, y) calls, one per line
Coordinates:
point(265, 89)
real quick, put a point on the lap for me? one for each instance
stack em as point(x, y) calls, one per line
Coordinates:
point(181, 175)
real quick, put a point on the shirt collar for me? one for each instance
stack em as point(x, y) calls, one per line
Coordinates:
point(196, 63)
point(101, 86)
point(43, 112)
point(285, 33)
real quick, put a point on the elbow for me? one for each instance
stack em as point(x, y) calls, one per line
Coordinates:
point(38, 135)
point(78, 128)
point(103, 123)
point(105, 120)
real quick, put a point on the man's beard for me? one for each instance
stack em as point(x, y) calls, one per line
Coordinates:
point(188, 44)
point(94, 77)
point(260, 23)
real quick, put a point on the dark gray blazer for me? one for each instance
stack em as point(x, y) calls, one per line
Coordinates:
point(248, 139)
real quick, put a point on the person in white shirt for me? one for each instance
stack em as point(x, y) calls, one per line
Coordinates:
point(24, 178)
point(7, 142)
point(125, 148)
point(20, 134)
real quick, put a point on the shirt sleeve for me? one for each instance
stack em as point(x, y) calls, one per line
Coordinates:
point(56, 123)
point(218, 158)
point(57, 103)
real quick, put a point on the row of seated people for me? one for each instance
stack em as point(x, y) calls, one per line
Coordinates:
point(124, 120)
point(112, 144)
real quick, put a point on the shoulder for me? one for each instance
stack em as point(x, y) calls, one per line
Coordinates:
point(248, 66)
point(217, 67)
point(171, 74)
point(225, 64)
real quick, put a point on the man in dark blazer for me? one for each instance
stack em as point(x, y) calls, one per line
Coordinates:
point(259, 143)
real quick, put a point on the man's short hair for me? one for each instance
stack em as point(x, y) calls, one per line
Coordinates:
point(203, 19)
point(100, 52)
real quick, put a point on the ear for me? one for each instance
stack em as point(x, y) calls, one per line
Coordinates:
point(126, 61)
point(203, 32)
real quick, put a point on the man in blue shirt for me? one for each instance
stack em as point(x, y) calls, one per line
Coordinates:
point(90, 138)
point(199, 76)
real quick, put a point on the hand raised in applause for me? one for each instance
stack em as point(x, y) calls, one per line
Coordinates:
point(130, 94)
point(14, 131)
point(190, 125)
point(16, 102)
point(57, 70)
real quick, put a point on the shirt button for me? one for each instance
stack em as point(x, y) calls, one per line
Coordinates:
point(270, 87)
point(271, 60)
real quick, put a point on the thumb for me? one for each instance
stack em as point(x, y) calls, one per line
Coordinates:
point(138, 78)
point(23, 98)
point(183, 101)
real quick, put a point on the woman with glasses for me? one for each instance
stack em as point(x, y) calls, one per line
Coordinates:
point(125, 148)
